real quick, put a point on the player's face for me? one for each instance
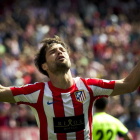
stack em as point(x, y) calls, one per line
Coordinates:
point(57, 59)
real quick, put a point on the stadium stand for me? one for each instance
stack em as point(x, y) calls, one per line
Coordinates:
point(104, 40)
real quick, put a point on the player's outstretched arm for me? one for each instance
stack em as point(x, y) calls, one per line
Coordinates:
point(128, 84)
point(6, 95)
point(128, 136)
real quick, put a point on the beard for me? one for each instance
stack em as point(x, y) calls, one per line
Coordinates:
point(59, 68)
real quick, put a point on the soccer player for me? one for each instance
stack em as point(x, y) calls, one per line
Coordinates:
point(63, 105)
point(105, 126)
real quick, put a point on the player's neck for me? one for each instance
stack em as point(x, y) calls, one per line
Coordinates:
point(62, 81)
point(99, 111)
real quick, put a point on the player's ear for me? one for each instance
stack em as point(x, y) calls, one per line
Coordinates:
point(45, 66)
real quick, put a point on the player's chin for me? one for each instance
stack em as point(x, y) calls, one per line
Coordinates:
point(64, 64)
point(61, 61)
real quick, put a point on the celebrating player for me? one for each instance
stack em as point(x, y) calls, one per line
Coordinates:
point(63, 106)
point(105, 126)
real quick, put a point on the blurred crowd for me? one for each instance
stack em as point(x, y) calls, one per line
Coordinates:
point(104, 41)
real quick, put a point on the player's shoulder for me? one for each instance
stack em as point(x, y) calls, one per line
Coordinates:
point(28, 90)
point(79, 79)
point(76, 78)
point(108, 119)
point(113, 119)
point(32, 85)
point(99, 116)
point(80, 82)
point(105, 116)
point(88, 81)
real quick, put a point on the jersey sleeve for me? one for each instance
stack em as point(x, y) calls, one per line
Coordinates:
point(101, 86)
point(122, 130)
point(27, 93)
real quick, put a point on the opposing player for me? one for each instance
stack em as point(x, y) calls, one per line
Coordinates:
point(63, 106)
point(105, 126)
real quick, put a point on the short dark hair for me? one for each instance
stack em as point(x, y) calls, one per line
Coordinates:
point(40, 57)
point(101, 103)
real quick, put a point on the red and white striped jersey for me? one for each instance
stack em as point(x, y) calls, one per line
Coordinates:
point(63, 114)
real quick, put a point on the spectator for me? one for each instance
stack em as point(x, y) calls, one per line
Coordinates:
point(109, 26)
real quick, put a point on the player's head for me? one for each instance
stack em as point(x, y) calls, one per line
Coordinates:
point(53, 57)
point(101, 104)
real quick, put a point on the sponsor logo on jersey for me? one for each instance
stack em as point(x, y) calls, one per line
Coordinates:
point(49, 103)
point(69, 124)
point(80, 96)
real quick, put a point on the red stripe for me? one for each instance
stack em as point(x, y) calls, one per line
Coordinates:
point(83, 97)
point(78, 109)
point(58, 108)
point(59, 112)
point(92, 98)
point(27, 89)
point(101, 83)
point(41, 114)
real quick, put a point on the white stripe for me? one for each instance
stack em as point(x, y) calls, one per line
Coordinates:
point(100, 91)
point(69, 111)
point(49, 111)
point(83, 97)
point(80, 99)
point(81, 86)
point(36, 115)
point(31, 98)
point(106, 81)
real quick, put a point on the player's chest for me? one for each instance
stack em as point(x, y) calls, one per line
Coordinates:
point(67, 111)
point(68, 102)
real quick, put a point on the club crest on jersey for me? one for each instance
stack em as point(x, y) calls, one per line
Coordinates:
point(80, 96)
